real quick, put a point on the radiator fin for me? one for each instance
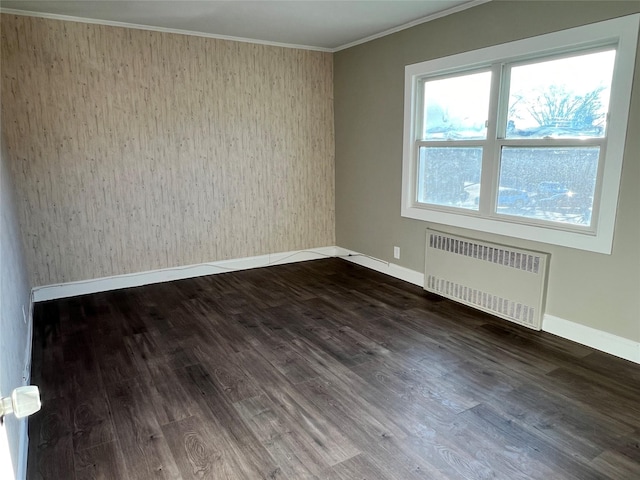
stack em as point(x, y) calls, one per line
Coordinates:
point(506, 281)
point(495, 254)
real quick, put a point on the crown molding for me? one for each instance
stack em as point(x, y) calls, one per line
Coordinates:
point(413, 23)
point(110, 23)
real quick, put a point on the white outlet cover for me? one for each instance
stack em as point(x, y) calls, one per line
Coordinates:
point(396, 252)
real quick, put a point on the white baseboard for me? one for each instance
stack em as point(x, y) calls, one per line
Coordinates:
point(21, 473)
point(83, 287)
point(381, 266)
point(23, 445)
point(598, 339)
point(591, 337)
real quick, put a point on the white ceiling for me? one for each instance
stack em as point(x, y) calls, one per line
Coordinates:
point(322, 25)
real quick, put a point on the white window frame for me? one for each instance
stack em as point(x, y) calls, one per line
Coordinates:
point(621, 33)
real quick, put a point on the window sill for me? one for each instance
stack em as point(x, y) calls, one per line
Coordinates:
point(594, 242)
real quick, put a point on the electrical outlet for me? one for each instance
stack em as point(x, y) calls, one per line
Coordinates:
point(396, 252)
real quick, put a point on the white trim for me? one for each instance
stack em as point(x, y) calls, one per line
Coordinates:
point(413, 23)
point(23, 442)
point(591, 337)
point(624, 31)
point(83, 287)
point(598, 339)
point(381, 266)
point(112, 23)
point(26, 372)
point(23, 452)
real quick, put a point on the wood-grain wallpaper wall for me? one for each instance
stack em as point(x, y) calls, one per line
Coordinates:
point(135, 150)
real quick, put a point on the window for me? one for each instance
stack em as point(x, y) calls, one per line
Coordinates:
point(524, 139)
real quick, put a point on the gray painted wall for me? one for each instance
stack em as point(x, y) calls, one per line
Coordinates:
point(599, 291)
point(15, 294)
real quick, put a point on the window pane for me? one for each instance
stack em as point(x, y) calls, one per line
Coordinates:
point(548, 183)
point(449, 176)
point(456, 108)
point(568, 97)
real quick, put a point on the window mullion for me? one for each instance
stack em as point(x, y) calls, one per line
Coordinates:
point(489, 175)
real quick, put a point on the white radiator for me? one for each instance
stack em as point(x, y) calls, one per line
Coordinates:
point(504, 281)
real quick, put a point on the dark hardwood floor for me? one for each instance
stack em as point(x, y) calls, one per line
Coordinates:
point(322, 370)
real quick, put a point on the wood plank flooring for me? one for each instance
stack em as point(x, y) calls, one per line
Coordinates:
point(318, 370)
